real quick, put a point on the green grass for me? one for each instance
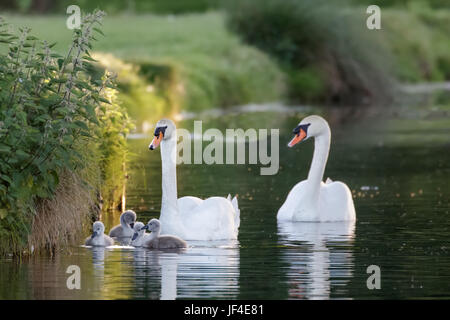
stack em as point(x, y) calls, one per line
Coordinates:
point(326, 49)
point(209, 66)
point(420, 42)
point(193, 62)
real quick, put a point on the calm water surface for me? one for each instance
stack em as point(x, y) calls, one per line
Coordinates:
point(397, 168)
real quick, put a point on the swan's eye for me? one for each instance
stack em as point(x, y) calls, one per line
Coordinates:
point(159, 130)
point(300, 134)
point(300, 127)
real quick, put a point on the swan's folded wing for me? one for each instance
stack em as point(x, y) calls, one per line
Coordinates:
point(293, 199)
point(188, 204)
point(213, 219)
point(237, 213)
point(336, 202)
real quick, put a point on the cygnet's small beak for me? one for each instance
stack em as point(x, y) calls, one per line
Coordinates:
point(94, 234)
point(145, 227)
point(132, 225)
point(135, 235)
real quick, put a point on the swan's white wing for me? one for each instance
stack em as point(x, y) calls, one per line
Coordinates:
point(188, 204)
point(212, 219)
point(293, 199)
point(336, 202)
point(237, 213)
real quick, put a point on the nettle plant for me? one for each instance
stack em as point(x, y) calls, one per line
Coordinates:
point(49, 104)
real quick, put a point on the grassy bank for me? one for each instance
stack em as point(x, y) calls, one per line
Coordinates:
point(62, 139)
point(331, 57)
point(187, 62)
point(419, 38)
point(315, 53)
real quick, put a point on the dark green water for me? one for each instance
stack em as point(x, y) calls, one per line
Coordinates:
point(397, 167)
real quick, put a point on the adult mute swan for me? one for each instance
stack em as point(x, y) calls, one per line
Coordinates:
point(155, 241)
point(312, 199)
point(190, 218)
point(98, 237)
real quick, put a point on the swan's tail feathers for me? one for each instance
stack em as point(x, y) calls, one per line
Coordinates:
point(237, 215)
point(229, 197)
point(328, 181)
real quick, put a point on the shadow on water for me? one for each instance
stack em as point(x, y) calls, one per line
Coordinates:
point(397, 169)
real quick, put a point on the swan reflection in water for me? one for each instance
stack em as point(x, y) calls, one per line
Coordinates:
point(181, 273)
point(101, 280)
point(318, 256)
point(154, 269)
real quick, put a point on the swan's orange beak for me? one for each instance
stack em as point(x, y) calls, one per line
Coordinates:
point(297, 138)
point(156, 141)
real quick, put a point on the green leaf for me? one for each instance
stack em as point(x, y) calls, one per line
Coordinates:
point(99, 31)
point(6, 178)
point(5, 149)
point(81, 124)
point(3, 213)
point(22, 154)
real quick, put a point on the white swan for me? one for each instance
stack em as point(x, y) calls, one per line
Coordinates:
point(155, 241)
point(99, 238)
point(190, 218)
point(312, 199)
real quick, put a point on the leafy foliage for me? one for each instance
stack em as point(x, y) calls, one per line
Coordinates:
point(351, 63)
point(49, 106)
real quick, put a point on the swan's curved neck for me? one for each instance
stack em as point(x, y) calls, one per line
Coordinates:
point(169, 206)
point(320, 157)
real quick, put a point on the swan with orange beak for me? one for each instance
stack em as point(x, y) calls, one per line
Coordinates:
point(300, 133)
point(190, 218)
point(159, 135)
point(312, 199)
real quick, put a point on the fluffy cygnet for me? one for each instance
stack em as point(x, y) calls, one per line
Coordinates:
point(125, 229)
point(98, 238)
point(155, 241)
point(139, 236)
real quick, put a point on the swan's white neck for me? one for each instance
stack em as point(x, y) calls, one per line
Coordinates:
point(320, 157)
point(169, 204)
point(310, 199)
